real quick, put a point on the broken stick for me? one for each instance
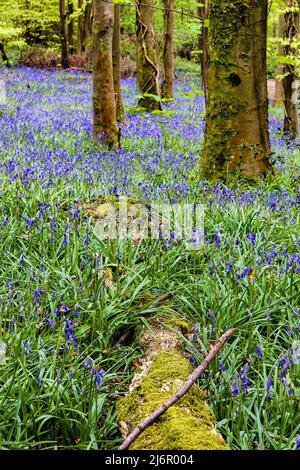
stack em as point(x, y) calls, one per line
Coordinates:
point(188, 384)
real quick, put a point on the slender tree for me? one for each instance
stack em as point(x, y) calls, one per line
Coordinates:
point(237, 138)
point(79, 27)
point(84, 25)
point(117, 63)
point(203, 43)
point(168, 53)
point(105, 127)
point(146, 57)
point(71, 27)
point(63, 34)
point(291, 31)
point(279, 91)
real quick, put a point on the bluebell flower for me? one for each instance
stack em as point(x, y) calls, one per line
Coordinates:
point(259, 353)
point(268, 386)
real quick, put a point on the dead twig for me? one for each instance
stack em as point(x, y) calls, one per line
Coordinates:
point(188, 384)
point(162, 298)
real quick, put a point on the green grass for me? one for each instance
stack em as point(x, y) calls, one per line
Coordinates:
point(55, 270)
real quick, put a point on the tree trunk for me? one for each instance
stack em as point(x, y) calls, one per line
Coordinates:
point(79, 28)
point(105, 127)
point(71, 27)
point(291, 30)
point(63, 34)
point(237, 137)
point(203, 44)
point(84, 27)
point(116, 54)
point(279, 91)
point(87, 25)
point(147, 63)
point(168, 54)
point(4, 56)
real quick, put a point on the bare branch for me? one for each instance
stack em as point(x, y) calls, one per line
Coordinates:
point(162, 298)
point(188, 384)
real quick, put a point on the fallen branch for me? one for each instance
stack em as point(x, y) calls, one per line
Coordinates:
point(188, 384)
point(162, 298)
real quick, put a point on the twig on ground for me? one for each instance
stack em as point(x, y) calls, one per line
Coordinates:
point(162, 298)
point(188, 384)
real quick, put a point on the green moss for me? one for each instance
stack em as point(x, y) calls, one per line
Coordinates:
point(181, 324)
point(186, 425)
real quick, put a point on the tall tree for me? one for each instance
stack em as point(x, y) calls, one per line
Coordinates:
point(168, 53)
point(279, 91)
point(84, 25)
point(105, 127)
point(290, 46)
point(63, 34)
point(237, 137)
point(71, 26)
point(203, 43)
point(117, 63)
point(146, 57)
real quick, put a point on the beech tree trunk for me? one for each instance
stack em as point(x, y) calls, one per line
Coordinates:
point(105, 127)
point(71, 27)
point(279, 91)
point(117, 63)
point(203, 44)
point(237, 138)
point(79, 28)
point(147, 63)
point(63, 34)
point(291, 30)
point(84, 26)
point(168, 54)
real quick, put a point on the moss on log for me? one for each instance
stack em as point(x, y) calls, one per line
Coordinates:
point(187, 425)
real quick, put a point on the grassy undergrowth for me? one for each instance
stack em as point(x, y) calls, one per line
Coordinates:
point(66, 297)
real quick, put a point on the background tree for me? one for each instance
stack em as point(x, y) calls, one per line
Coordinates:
point(105, 127)
point(279, 91)
point(146, 57)
point(116, 52)
point(168, 52)
point(84, 25)
point(70, 28)
point(291, 49)
point(203, 43)
point(63, 34)
point(237, 137)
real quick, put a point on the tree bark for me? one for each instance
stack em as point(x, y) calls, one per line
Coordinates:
point(105, 127)
point(79, 28)
point(237, 138)
point(291, 31)
point(168, 54)
point(63, 34)
point(279, 91)
point(203, 45)
point(116, 54)
point(147, 62)
point(84, 26)
point(71, 27)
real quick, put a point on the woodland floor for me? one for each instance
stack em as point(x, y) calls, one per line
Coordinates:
point(66, 297)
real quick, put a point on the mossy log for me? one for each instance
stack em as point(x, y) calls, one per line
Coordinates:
point(187, 425)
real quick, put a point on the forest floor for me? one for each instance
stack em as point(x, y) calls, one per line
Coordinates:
point(67, 296)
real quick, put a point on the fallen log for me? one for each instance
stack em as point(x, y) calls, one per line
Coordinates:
point(165, 410)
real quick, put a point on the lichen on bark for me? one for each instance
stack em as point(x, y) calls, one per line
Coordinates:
point(236, 136)
point(189, 424)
